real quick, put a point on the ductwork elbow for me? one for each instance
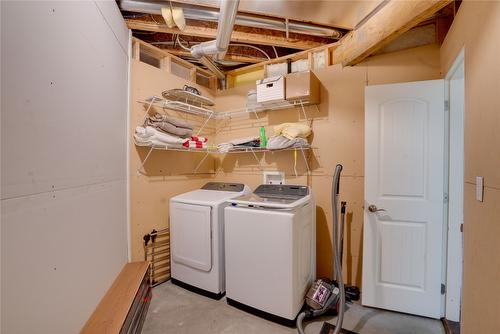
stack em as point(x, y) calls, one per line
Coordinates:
point(218, 47)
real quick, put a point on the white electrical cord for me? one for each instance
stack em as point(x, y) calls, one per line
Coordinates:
point(252, 47)
point(275, 52)
point(153, 18)
point(181, 45)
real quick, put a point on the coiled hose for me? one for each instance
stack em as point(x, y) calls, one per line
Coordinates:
point(336, 262)
point(336, 255)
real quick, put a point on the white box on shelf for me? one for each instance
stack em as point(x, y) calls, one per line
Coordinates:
point(271, 89)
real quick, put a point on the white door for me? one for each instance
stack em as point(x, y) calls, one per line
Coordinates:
point(404, 177)
point(191, 235)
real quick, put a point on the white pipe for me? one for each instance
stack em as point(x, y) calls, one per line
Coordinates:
point(218, 47)
point(212, 15)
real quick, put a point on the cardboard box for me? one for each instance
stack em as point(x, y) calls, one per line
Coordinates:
point(303, 86)
point(271, 89)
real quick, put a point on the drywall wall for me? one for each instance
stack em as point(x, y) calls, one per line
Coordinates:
point(338, 126)
point(164, 174)
point(63, 161)
point(480, 302)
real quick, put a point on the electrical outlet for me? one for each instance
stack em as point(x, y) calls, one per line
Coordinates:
point(479, 188)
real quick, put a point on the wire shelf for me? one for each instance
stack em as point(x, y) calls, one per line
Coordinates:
point(228, 114)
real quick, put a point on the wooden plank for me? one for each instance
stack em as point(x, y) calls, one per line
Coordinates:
point(237, 36)
point(228, 57)
point(166, 58)
point(293, 57)
point(113, 308)
point(391, 21)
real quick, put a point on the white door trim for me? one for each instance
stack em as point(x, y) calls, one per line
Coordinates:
point(454, 244)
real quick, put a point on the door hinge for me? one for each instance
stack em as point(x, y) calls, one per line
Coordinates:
point(445, 197)
point(443, 289)
point(462, 228)
point(447, 105)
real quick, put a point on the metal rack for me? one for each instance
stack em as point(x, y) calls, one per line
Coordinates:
point(209, 151)
point(189, 108)
point(228, 114)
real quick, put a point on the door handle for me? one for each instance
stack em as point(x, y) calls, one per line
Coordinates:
point(373, 208)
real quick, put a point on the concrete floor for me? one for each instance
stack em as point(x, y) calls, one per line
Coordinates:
point(176, 310)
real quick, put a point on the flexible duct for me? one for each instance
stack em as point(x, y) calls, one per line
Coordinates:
point(212, 15)
point(218, 47)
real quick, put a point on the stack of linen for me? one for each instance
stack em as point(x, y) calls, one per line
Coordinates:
point(196, 142)
point(167, 132)
point(239, 143)
point(170, 125)
point(149, 136)
point(289, 135)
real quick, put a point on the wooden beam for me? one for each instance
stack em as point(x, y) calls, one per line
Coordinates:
point(166, 58)
point(237, 36)
point(293, 57)
point(228, 57)
point(394, 19)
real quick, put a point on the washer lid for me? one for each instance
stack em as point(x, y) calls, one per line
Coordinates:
point(275, 196)
point(207, 197)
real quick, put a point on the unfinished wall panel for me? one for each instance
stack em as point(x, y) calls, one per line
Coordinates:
point(482, 158)
point(64, 206)
point(338, 137)
point(52, 114)
point(165, 173)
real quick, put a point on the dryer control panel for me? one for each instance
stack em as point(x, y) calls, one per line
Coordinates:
point(222, 186)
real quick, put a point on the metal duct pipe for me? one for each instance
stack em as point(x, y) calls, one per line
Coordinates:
point(212, 15)
point(218, 47)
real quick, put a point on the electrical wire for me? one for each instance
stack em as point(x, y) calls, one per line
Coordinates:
point(181, 45)
point(275, 52)
point(153, 18)
point(252, 47)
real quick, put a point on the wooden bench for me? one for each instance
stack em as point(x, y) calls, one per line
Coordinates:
point(124, 306)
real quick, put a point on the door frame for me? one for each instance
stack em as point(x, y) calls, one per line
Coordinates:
point(454, 241)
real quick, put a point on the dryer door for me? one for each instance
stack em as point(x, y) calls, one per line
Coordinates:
point(191, 239)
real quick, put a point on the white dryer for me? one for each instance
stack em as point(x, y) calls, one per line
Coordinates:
point(197, 237)
point(271, 250)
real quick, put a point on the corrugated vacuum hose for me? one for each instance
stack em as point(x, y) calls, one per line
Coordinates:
point(336, 248)
point(322, 296)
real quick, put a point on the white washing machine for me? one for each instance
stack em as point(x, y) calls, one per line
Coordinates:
point(197, 237)
point(271, 250)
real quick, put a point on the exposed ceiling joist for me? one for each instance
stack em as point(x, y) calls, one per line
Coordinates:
point(228, 57)
point(237, 36)
point(394, 19)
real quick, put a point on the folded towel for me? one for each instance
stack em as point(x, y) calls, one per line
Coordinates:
point(171, 129)
point(150, 133)
point(239, 141)
point(282, 142)
point(253, 141)
point(152, 141)
point(174, 121)
point(194, 144)
point(293, 130)
point(202, 139)
point(225, 147)
point(170, 125)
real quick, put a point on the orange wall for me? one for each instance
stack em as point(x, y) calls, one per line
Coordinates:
point(476, 28)
point(166, 173)
point(338, 125)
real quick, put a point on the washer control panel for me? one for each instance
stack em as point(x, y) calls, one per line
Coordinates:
point(282, 191)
